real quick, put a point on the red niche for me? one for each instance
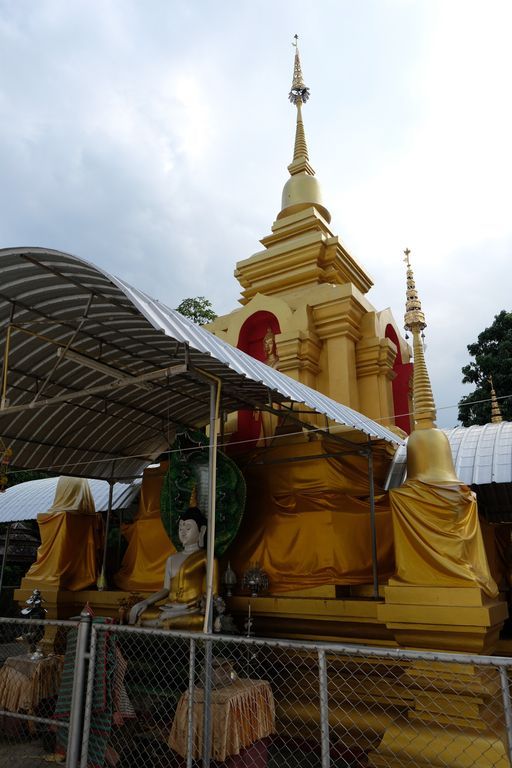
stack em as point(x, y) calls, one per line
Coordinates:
point(400, 384)
point(251, 340)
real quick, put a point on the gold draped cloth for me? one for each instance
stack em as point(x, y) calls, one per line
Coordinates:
point(241, 714)
point(438, 540)
point(71, 537)
point(149, 545)
point(308, 522)
point(25, 682)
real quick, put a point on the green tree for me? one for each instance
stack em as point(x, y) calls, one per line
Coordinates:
point(198, 309)
point(17, 476)
point(492, 354)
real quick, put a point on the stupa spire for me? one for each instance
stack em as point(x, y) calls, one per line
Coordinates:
point(496, 416)
point(302, 190)
point(423, 399)
point(299, 94)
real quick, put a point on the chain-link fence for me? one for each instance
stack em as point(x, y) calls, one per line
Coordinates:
point(37, 661)
point(108, 695)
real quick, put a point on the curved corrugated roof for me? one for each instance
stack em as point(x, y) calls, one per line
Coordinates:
point(482, 454)
point(26, 500)
point(68, 301)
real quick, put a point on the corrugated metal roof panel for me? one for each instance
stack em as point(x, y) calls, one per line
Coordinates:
point(482, 454)
point(69, 301)
point(26, 500)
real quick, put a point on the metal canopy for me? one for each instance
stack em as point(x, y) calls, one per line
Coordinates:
point(482, 454)
point(60, 316)
point(26, 500)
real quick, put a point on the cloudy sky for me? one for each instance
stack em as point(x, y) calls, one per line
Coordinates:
point(152, 138)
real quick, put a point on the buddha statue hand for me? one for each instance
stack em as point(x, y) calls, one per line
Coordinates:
point(138, 609)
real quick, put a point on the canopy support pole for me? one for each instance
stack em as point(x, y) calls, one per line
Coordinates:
point(210, 566)
point(4, 558)
point(3, 397)
point(102, 580)
point(373, 526)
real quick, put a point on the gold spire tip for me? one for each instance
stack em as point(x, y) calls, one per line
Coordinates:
point(414, 317)
point(423, 399)
point(496, 417)
point(299, 92)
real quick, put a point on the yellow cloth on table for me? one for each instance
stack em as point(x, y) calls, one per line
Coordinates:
point(24, 682)
point(149, 545)
point(308, 522)
point(438, 540)
point(71, 537)
point(241, 714)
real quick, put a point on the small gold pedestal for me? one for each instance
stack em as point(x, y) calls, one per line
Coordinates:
point(459, 619)
point(314, 615)
point(455, 719)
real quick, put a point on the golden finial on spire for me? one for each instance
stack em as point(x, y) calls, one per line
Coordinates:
point(299, 91)
point(496, 417)
point(423, 399)
point(413, 313)
point(302, 190)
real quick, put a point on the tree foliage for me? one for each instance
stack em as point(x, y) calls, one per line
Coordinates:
point(17, 476)
point(198, 309)
point(492, 354)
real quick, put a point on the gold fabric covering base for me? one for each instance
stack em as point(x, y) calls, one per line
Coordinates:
point(149, 546)
point(68, 555)
point(438, 540)
point(71, 539)
point(307, 523)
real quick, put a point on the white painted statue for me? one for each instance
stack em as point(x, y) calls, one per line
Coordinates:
point(184, 581)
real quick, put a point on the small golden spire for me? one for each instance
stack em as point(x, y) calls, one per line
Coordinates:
point(302, 189)
point(496, 417)
point(423, 399)
point(298, 95)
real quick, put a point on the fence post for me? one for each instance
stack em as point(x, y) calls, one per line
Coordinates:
point(505, 693)
point(324, 710)
point(190, 714)
point(78, 692)
point(207, 701)
point(88, 699)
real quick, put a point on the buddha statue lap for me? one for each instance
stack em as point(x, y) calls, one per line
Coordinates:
point(184, 582)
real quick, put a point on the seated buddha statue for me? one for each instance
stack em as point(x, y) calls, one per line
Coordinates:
point(178, 604)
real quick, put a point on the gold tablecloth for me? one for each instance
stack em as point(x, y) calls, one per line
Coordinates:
point(24, 682)
point(241, 714)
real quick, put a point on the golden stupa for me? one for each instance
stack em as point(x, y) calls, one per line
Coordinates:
point(307, 290)
point(427, 584)
point(305, 311)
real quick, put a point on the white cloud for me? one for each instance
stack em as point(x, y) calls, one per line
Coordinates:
point(160, 134)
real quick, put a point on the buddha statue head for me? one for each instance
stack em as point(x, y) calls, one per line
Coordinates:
point(192, 528)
